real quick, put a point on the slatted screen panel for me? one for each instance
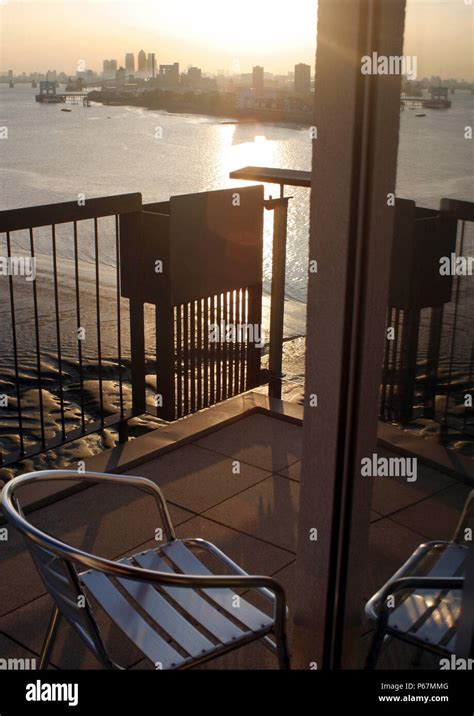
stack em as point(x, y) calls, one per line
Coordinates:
point(215, 351)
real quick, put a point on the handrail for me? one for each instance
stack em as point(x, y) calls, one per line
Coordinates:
point(68, 211)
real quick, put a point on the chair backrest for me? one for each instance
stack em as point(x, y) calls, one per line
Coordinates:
point(464, 532)
point(55, 563)
point(60, 578)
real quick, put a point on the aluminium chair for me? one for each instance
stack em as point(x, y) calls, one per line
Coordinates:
point(169, 604)
point(421, 603)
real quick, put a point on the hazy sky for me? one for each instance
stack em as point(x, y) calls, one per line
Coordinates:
point(213, 34)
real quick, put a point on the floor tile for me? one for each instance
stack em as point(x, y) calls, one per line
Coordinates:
point(198, 479)
point(390, 494)
point(390, 545)
point(437, 516)
point(268, 511)
point(259, 440)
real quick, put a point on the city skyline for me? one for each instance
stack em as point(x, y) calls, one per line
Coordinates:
point(266, 35)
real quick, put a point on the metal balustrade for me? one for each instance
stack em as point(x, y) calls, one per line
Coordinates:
point(97, 272)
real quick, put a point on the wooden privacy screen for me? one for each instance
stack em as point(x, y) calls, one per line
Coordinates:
point(199, 261)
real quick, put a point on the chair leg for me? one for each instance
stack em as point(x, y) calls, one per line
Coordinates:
point(282, 651)
point(374, 651)
point(417, 657)
point(49, 638)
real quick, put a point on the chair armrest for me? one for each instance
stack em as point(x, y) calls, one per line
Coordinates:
point(421, 551)
point(140, 483)
point(414, 583)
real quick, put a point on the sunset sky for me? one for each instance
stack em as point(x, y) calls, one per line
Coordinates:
point(56, 34)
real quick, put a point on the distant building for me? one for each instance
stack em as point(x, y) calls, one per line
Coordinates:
point(169, 74)
point(257, 80)
point(51, 75)
point(130, 63)
point(302, 78)
point(142, 63)
point(194, 76)
point(109, 68)
point(120, 76)
point(151, 65)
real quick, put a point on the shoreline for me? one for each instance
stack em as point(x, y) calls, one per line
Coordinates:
point(236, 116)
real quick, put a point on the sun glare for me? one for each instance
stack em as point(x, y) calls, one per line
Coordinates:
point(244, 28)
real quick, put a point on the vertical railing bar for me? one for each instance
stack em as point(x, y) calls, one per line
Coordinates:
point(245, 352)
point(219, 349)
point(212, 350)
point(225, 362)
point(58, 328)
point(78, 318)
point(99, 336)
point(119, 313)
point(241, 356)
point(157, 348)
point(38, 348)
point(193, 341)
point(15, 352)
point(207, 363)
point(185, 358)
point(199, 354)
point(238, 321)
point(454, 326)
point(233, 345)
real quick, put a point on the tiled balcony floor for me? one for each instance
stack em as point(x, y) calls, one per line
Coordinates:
point(251, 515)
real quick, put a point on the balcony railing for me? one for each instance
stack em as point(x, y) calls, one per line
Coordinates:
point(94, 341)
point(427, 374)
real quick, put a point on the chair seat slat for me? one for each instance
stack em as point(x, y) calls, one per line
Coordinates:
point(253, 618)
point(130, 622)
point(170, 620)
point(188, 599)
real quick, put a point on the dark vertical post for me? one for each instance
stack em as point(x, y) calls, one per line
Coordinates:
point(137, 347)
point(351, 228)
point(130, 228)
point(411, 326)
point(179, 358)
point(434, 344)
point(254, 318)
point(165, 370)
point(277, 310)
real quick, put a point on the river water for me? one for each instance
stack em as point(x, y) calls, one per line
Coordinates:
point(52, 156)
